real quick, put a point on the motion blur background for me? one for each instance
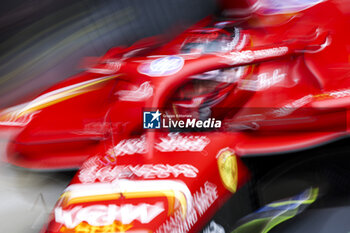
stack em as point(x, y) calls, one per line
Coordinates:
point(43, 42)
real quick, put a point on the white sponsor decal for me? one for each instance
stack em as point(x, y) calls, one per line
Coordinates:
point(340, 94)
point(101, 128)
point(248, 56)
point(243, 126)
point(140, 94)
point(205, 197)
point(146, 171)
point(129, 147)
point(102, 215)
point(13, 120)
point(202, 200)
point(178, 188)
point(232, 44)
point(289, 108)
point(214, 228)
point(334, 94)
point(91, 162)
point(242, 42)
point(173, 142)
point(110, 68)
point(263, 81)
point(177, 142)
point(223, 76)
point(273, 7)
point(132, 53)
point(162, 66)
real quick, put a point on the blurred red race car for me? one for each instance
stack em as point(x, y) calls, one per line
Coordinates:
point(159, 129)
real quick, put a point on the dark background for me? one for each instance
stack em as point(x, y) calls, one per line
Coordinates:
point(43, 41)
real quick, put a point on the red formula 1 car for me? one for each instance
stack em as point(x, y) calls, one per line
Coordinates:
point(159, 130)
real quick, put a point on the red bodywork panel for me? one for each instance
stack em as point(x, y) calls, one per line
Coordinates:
point(292, 93)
